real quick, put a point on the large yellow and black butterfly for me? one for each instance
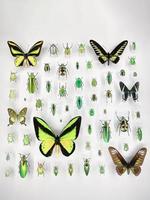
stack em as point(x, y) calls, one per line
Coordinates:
point(134, 165)
point(14, 117)
point(65, 141)
point(28, 59)
point(104, 57)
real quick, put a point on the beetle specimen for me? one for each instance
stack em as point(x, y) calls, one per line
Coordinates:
point(138, 115)
point(10, 137)
point(23, 165)
point(13, 76)
point(108, 95)
point(94, 82)
point(89, 129)
point(123, 125)
point(12, 94)
point(53, 49)
point(88, 146)
point(109, 78)
point(48, 86)
point(38, 104)
point(133, 46)
point(67, 49)
point(53, 109)
point(70, 169)
point(139, 133)
point(126, 147)
point(102, 169)
point(41, 169)
point(62, 70)
point(67, 108)
point(32, 83)
point(8, 172)
point(132, 60)
point(46, 67)
point(77, 65)
point(81, 48)
point(26, 139)
point(79, 83)
point(89, 64)
point(62, 91)
point(8, 156)
point(94, 97)
point(122, 72)
point(105, 131)
point(134, 74)
point(91, 112)
point(86, 166)
point(55, 170)
point(79, 102)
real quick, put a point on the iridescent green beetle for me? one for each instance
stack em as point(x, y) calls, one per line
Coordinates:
point(62, 91)
point(139, 133)
point(79, 83)
point(91, 112)
point(26, 139)
point(23, 165)
point(70, 169)
point(86, 166)
point(109, 78)
point(132, 60)
point(105, 131)
point(79, 102)
point(32, 83)
point(81, 48)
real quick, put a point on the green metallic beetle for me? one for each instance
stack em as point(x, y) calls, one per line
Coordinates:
point(109, 78)
point(139, 133)
point(62, 91)
point(102, 169)
point(106, 131)
point(81, 48)
point(86, 166)
point(70, 169)
point(67, 49)
point(48, 86)
point(32, 83)
point(23, 165)
point(89, 64)
point(79, 102)
point(132, 60)
point(91, 112)
point(26, 139)
point(79, 83)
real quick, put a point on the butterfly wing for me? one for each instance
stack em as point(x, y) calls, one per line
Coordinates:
point(125, 91)
point(45, 134)
point(134, 91)
point(17, 52)
point(137, 161)
point(100, 52)
point(22, 116)
point(68, 135)
point(12, 116)
point(34, 52)
point(119, 161)
point(114, 55)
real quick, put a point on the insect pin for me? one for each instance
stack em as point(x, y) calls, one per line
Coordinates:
point(23, 165)
point(41, 169)
point(67, 49)
point(32, 83)
point(81, 48)
point(87, 166)
point(105, 131)
point(62, 70)
point(53, 49)
point(123, 125)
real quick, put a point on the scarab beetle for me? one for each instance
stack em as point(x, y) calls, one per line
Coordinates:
point(62, 70)
point(123, 125)
point(23, 165)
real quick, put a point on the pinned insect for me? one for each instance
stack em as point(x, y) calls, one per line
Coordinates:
point(109, 78)
point(79, 102)
point(94, 97)
point(38, 104)
point(108, 95)
point(8, 172)
point(88, 146)
point(67, 49)
point(89, 64)
point(133, 46)
point(32, 83)
point(77, 65)
point(7, 156)
point(48, 86)
point(89, 129)
point(86, 166)
point(81, 48)
point(47, 67)
point(10, 137)
point(122, 72)
point(126, 147)
point(70, 169)
point(53, 109)
point(94, 82)
point(62, 70)
point(23, 165)
point(79, 83)
point(26, 139)
point(53, 49)
point(138, 115)
point(12, 94)
point(13, 77)
point(132, 60)
point(139, 133)
point(91, 112)
point(67, 108)
point(123, 125)
point(105, 131)
point(55, 170)
point(135, 74)
point(102, 169)
point(41, 169)
point(62, 91)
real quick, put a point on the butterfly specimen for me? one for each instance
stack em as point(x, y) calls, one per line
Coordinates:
point(14, 117)
point(104, 57)
point(22, 58)
point(134, 165)
point(129, 93)
point(65, 141)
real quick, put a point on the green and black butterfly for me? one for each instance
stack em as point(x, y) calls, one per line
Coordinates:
point(14, 117)
point(104, 57)
point(134, 165)
point(129, 93)
point(28, 59)
point(64, 141)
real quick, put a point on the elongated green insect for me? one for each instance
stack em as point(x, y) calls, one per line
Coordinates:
point(79, 102)
point(23, 165)
point(32, 83)
point(86, 166)
point(105, 131)
point(139, 133)
point(109, 78)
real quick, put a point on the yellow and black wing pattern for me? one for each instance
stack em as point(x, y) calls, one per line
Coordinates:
point(104, 57)
point(134, 165)
point(14, 117)
point(48, 139)
point(22, 58)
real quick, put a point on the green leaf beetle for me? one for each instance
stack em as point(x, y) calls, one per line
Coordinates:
point(106, 131)
point(23, 165)
point(79, 102)
point(81, 48)
point(32, 83)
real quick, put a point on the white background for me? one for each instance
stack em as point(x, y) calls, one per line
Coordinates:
point(109, 22)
